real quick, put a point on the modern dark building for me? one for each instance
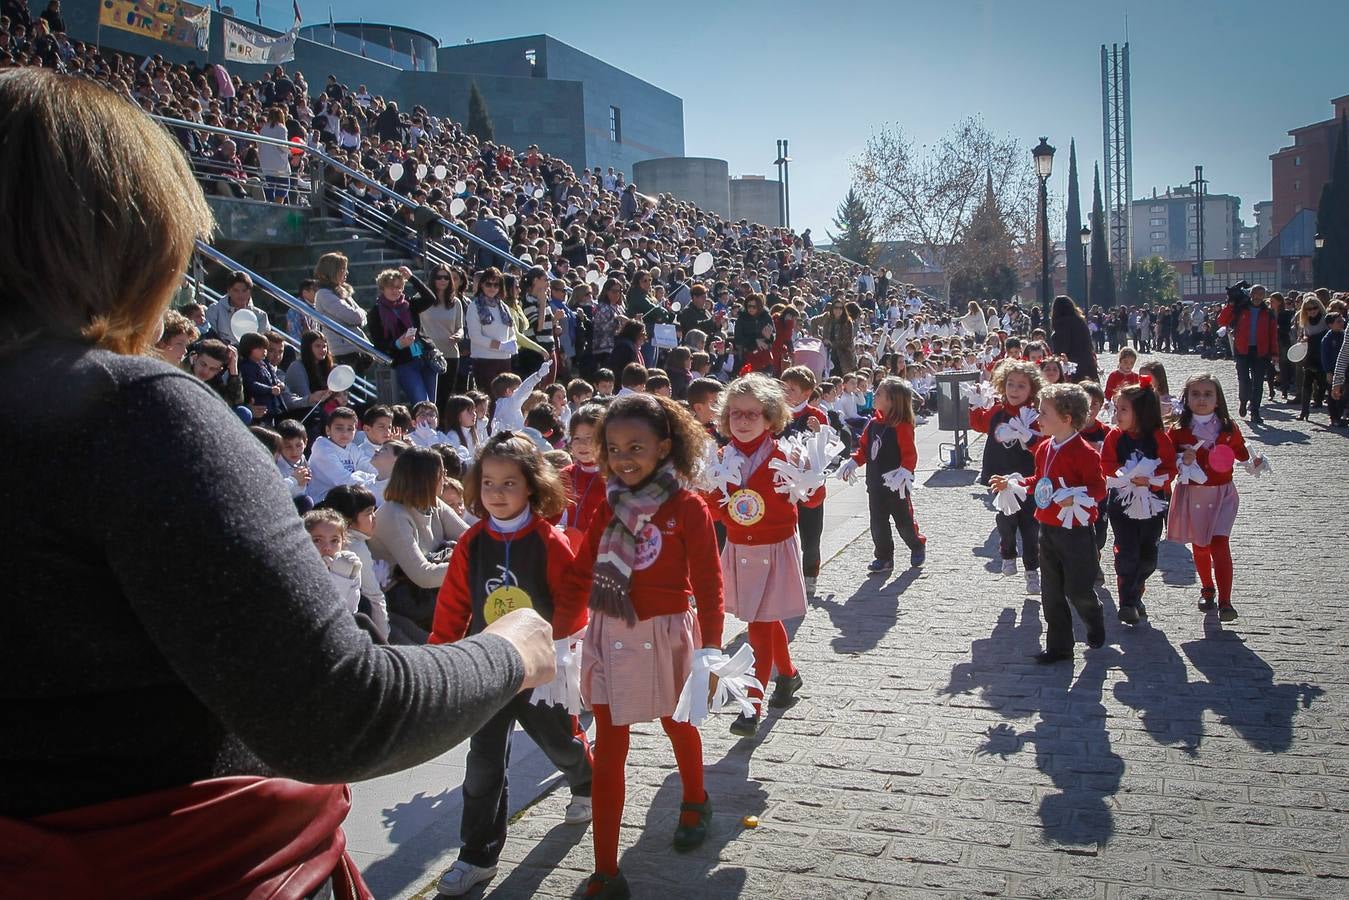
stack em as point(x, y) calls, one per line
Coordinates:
point(395, 45)
point(1300, 170)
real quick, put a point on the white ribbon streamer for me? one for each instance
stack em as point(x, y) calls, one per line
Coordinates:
point(898, 480)
point(1107, 414)
point(1257, 466)
point(980, 395)
point(721, 471)
point(1009, 500)
point(808, 456)
point(1189, 473)
point(565, 688)
point(1018, 430)
point(1079, 511)
point(734, 682)
point(1068, 367)
point(1138, 499)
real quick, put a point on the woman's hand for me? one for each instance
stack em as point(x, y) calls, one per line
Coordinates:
point(532, 637)
point(1141, 480)
point(405, 272)
point(319, 396)
point(232, 366)
point(495, 345)
point(997, 483)
point(276, 390)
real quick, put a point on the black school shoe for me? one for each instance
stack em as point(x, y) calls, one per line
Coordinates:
point(1049, 657)
point(745, 726)
point(1129, 615)
point(784, 691)
point(690, 837)
point(1207, 599)
point(607, 887)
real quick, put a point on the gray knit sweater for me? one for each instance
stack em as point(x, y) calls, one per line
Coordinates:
point(167, 618)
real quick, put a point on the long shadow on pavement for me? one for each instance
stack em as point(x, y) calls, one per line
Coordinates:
point(866, 617)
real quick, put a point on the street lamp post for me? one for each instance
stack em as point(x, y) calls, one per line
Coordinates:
point(783, 162)
point(1044, 167)
point(1086, 268)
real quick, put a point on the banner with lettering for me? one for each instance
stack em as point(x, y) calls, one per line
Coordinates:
point(171, 21)
point(245, 45)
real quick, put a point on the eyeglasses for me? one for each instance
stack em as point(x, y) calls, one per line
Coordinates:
point(745, 415)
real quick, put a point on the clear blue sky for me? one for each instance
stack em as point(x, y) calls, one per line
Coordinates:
point(1217, 83)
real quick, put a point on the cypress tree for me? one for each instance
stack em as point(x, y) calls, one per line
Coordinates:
point(1330, 264)
point(856, 238)
point(1077, 270)
point(479, 122)
point(1102, 273)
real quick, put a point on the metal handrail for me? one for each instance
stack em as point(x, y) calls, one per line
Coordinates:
point(377, 220)
point(327, 160)
point(286, 299)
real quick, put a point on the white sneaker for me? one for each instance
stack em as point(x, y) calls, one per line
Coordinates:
point(578, 811)
point(1009, 567)
point(462, 877)
point(1032, 581)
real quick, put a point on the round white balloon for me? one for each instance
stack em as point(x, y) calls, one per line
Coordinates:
point(457, 207)
point(1298, 352)
point(676, 306)
point(538, 193)
point(440, 172)
point(421, 171)
point(460, 187)
point(702, 263)
point(395, 171)
point(626, 253)
point(243, 322)
point(594, 277)
point(341, 378)
point(510, 220)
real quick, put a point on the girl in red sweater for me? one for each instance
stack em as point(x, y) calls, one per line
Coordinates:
point(582, 479)
point(1123, 375)
point(1137, 518)
point(511, 559)
point(888, 451)
point(1065, 463)
point(649, 548)
point(1202, 514)
point(761, 563)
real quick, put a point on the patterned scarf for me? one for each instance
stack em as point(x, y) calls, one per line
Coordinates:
point(633, 509)
point(395, 315)
point(486, 306)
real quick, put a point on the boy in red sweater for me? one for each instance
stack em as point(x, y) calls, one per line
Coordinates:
point(1067, 548)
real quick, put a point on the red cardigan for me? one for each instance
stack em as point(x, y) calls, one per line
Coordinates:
point(456, 601)
point(1166, 453)
point(686, 564)
point(1184, 437)
point(585, 493)
point(1078, 464)
point(777, 521)
point(1118, 380)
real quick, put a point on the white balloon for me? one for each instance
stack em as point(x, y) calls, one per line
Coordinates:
point(460, 187)
point(441, 172)
point(457, 207)
point(538, 193)
point(510, 220)
point(243, 322)
point(421, 171)
point(395, 171)
point(676, 306)
point(341, 378)
point(1298, 352)
point(593, 277)
point(702, 263)
point(626, 253)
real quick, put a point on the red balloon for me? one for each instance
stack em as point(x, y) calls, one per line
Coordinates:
point(298, 150)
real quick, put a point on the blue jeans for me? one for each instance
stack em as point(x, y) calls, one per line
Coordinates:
point(417, 381)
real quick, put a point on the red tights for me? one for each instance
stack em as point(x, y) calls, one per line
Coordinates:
point(769, 640)
point(611, 753)
point(1215, 560)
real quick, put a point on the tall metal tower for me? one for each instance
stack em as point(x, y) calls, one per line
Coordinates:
point(1119, 157)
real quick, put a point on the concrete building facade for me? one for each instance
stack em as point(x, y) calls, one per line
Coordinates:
point(704, 182)
point(1300, 170)
point(756, 198)
point(538, 90)
point(1164, 225)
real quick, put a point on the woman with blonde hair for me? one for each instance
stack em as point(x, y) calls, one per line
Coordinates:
point(336, 300)
point(190, 695)
point(974, 321)
point(1311, 320)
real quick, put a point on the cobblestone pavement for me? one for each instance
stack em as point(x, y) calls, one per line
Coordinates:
point(931, 758)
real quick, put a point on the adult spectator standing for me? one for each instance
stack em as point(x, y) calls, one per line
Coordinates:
point(238, 296)
point(696, 315)
point(491, 329)
point(274, 160)
point(492, 229)
point(168, 750)
point(1283, 317)
point(540, 323)
point(1254, 331)
point(754, 330)
point(388, 126)
point(52, 16)
point(838, 333)
point(443, 325)
point(974, 321)
point(394, 325)
point(335, 300)
point(1071, 338)
point(627, 204)
point(914, 303)
point(866, 282)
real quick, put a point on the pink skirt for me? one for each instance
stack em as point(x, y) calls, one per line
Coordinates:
point(1200, 511)
point(764, 583)
point(637, 670)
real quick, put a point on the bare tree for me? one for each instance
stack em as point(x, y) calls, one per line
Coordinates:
point(927, 195)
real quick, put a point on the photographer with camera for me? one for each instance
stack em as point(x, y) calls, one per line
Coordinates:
point(1255, 340)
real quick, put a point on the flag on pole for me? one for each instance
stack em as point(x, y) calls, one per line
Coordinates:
point(392, 51)
point(332, 29)
point(362, 38)
point(295, 5)
point(412, 45)
point(257, 8)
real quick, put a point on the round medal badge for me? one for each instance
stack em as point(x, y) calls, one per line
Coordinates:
point(746, 507)
point(1044, 493)
point(648, 547)
point(1221, 458)
point(504, 600)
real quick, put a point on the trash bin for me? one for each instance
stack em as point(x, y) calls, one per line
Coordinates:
point(953, 414)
